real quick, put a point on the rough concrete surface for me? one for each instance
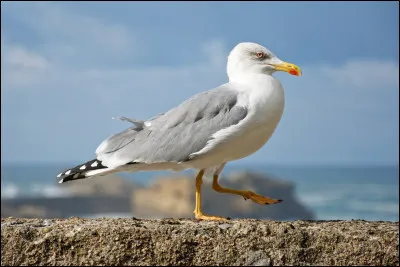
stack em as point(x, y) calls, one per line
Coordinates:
point(78, 241)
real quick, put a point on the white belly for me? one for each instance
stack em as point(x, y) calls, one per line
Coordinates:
point(236, 148)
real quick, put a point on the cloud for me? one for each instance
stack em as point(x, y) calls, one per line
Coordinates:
point(22, 67)
point(67, 35)
point(19, 57)
point(215, 50)
point(108, 84)
point(364, 74)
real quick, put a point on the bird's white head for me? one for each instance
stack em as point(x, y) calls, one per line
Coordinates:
point(256, 59)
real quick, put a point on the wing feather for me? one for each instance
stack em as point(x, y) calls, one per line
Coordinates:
point(177, 134)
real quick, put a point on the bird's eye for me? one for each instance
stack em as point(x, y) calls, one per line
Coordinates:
point(260, 54)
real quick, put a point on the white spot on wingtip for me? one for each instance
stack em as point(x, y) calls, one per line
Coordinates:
point(61, 181)
point(83, 167)
point(94, 164)
point(58, 176)
point(68, 172)
point(147, 123)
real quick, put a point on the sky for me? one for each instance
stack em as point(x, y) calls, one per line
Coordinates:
point(67, 68)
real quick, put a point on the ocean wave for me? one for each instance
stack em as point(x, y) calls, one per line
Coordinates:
point(356, 201)
point(375, 206)
point(349, 193)
point(49, 191)
point(10, 191)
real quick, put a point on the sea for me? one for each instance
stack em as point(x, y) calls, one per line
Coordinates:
point(331, 192)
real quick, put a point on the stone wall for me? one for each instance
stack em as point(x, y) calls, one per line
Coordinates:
point(77, 241)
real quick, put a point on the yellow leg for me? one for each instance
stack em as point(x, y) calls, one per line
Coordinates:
point(245, 194)
point(197, 211)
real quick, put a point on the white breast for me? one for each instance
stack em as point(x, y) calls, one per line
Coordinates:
point(264, 98)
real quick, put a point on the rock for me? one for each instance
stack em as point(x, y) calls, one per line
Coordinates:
point(174, 196)
point(110, 185)
point(25, 209)
point(104, 194)
point(166, 197)
point(182, 242)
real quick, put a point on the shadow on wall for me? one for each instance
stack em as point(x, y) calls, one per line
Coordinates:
point(171, 197)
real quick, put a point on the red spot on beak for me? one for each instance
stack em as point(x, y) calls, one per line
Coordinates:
point(293, 72)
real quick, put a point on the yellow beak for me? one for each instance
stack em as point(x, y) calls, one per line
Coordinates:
point(288, 67)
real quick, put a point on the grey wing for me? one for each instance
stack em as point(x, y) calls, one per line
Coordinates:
point(175, 135)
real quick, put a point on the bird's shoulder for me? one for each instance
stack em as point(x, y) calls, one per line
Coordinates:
point(204, 104)
point(216, 96)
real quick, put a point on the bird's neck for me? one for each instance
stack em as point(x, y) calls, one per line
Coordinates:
point(247, 78)
point(259, 88)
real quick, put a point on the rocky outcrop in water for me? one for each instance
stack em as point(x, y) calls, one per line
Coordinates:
point(175, 197)
point(171, 196)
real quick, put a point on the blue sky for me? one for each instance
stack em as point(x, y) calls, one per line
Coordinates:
point(68, 67)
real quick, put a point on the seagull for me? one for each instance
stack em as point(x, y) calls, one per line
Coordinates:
point(211, 128)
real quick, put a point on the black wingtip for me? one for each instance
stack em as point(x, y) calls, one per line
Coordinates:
point(79, 172)
point(72, 176)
